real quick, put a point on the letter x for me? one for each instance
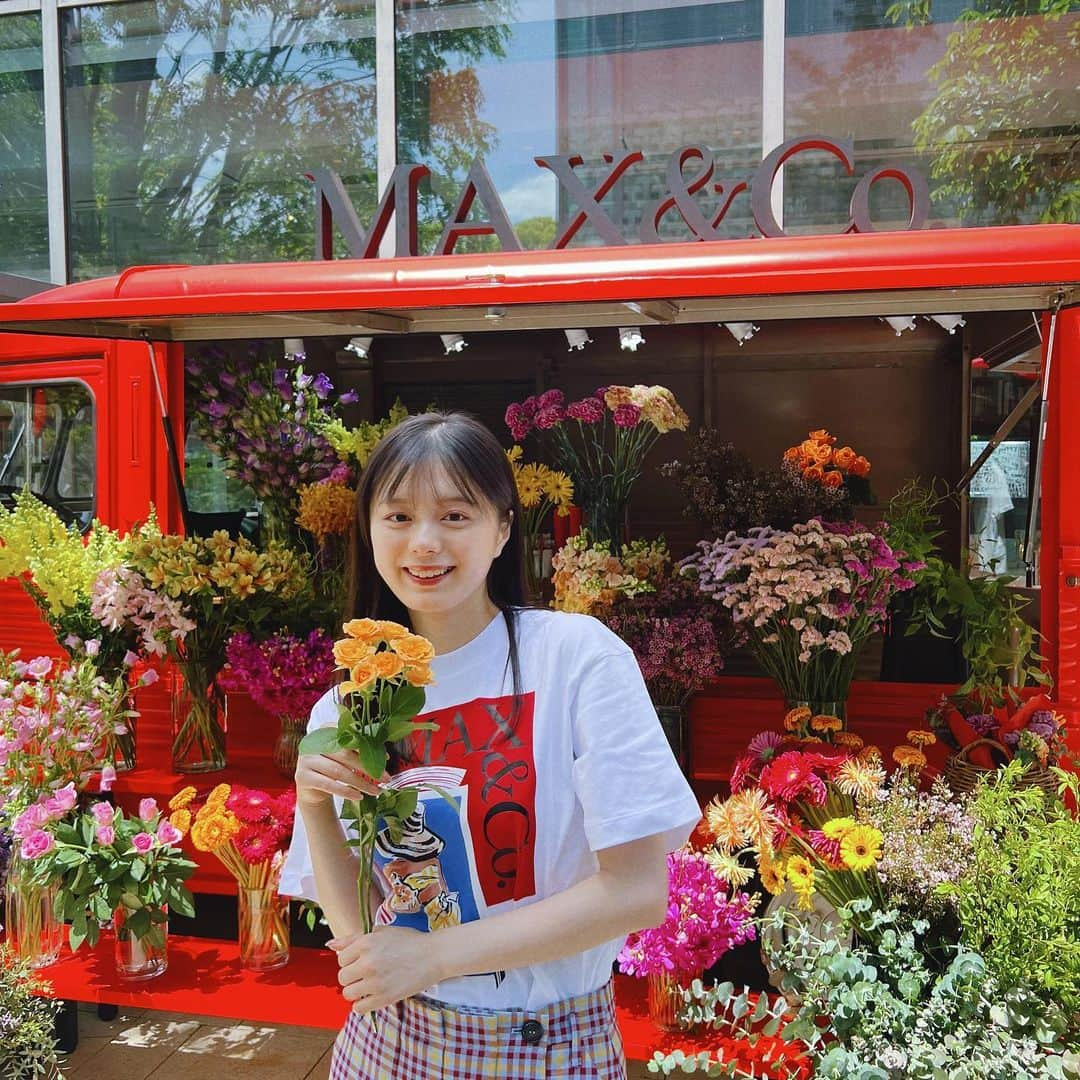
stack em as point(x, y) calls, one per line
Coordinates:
point(563, 166)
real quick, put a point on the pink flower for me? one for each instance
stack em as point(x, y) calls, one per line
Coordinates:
point(588, 410)
point(102, 813)
point(148, 808)
point(37, 843)
point(66, 797)
point(530, 406)
point(547, 418)
point(39, 667)
point(168, 833)
point(518, 432)
point(130, 658)
point(551, 399)
point(250, 806)
point(142, 842)
point(108, 778)
point(29, 821)
point(105, 835)
point(514, 415)
point(627, 416)
point(148, 677)
point(256, 847)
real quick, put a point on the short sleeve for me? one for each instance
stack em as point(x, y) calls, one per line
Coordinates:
point(624, 773)
point(298, 874)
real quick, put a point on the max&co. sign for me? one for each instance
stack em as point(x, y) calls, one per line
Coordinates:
point(399, 200)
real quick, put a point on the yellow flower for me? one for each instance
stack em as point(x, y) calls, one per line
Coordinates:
point(860, 848)
point(326, 509)
point(388, 665)
point(860, 778)
point(755, 817)
point(183, 798)
point(772, 876)
point(361, 677)
point(796, 718)
point(361, 629)
point(909, 757)
point(419, 675)
point(825, 722)
point(514, 453)
point(216, 798)
point(838, 828)
point(921, 738)
point(212, 831)
point(181, 819)
point(560, 490)
point(350, 651)
point(414, 649)
point(723, 828)
point(800, 874)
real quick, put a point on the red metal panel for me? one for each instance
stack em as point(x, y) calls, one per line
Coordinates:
point(944, 258)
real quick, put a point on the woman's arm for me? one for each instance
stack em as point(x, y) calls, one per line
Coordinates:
point(628, 891)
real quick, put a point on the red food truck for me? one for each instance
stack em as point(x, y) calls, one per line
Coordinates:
point(118, 344)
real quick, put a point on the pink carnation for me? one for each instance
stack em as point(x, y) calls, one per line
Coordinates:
point(588, 411)
point(551, 399)
point(142, 842)
point(627, 416)
point(37, 843)
point(549, 417)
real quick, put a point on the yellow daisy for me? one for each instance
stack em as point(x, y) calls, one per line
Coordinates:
point(860, 848)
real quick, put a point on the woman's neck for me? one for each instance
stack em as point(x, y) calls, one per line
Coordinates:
point(451, 630)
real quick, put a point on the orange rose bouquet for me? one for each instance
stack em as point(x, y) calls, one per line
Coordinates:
point(817, 460)
point(388, 668)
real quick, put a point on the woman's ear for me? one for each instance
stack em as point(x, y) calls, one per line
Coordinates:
point(504, 531)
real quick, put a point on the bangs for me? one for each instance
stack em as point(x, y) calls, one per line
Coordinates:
point(422, 459)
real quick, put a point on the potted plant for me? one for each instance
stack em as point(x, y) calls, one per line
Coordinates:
point(27, 1038)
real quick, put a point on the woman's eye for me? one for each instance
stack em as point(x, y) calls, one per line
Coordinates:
point(456, 516)
point(396, 519)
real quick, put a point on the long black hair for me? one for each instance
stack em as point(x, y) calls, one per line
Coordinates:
point(478, 465)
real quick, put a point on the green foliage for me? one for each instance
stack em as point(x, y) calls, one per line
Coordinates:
point(892, 1018)
point(1020, 905)
point(983, 613)
point(27, 1047)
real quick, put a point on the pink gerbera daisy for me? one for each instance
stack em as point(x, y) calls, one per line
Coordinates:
point(251, 806)
point(764, 745)
point(828, 849)
point(256, 846)
point(740, 773)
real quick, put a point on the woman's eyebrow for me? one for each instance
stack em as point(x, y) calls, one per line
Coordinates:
point(440, 499)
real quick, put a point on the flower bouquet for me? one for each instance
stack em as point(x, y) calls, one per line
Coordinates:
point(807, 600)
point(601, 442)
point(284, 675)
point(187, 596)
point(703, 922)
point(541, 491)
point(109, 865)
point(589, 578)
point(248, 831)
point(388, 667)
point(841, 473)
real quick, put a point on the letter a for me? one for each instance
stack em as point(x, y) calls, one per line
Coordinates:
point(478, 183)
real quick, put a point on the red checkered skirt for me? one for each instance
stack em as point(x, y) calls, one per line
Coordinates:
point(424, 1039)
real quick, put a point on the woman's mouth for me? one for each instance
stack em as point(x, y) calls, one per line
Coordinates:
point(427, 575)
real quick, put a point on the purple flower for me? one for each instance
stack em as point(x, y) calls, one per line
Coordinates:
point(148, 677)
point(322, 386)
point(39, 667)
point(227, 379)
point(142, 842)
point(217, 410)
point(349, 397)
point(256, 389)
point(983, 723)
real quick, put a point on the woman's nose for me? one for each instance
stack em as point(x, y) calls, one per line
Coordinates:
point(425, 537)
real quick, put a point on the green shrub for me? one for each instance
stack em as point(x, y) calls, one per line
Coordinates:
point(27, 1049)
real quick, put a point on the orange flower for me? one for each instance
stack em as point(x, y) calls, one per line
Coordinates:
point(361, 676)
point(349, 651)
point(921, 738)
point(183, 798)
point(808, 448)
point(815, 472)
point(413, 649)
point(849, 740)
point(844, 458)
point(796, 717)
point(361, 629)
point(180, 819)
point(793, 453)
point(822, 453)
point(909, 757)
point(389, 665)
point(419, 675)
point(833, 479)
point(861, 467)
point(216, 798)
point(821, 435)
point(826, 722)
point(391, 631)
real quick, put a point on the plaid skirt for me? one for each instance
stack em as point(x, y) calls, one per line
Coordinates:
point(424, 1039)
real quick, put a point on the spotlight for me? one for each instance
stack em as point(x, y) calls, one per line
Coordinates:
point(294, 346)
point(359, 345)
point(900, 323)
point(630, 337)
point(577, 339)
point(452, 343)
point(947, 322)
point(741, 331)
point(495, 313)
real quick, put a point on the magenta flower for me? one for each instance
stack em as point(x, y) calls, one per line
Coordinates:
point(142, 842)
point(36, 844)
point(587, 411)
point(627, 416)
point(547, 418)
point(550, 399)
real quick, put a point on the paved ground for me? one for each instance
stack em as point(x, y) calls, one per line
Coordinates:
point(144, 1045)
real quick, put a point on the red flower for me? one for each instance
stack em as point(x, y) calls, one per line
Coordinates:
point(249, 805)
point(788, 776)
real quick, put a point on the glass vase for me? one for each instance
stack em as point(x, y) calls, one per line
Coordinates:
point(665, 1000)
point(120, 746)
point(286, 746)
point(264, 928)
point(34, 931)
point(142, 942)
point(199, 720)
point(673, 720)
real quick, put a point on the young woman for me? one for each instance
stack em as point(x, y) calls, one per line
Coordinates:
point(502, 913)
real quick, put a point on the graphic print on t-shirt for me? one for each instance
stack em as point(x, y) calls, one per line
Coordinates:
point(495, 748)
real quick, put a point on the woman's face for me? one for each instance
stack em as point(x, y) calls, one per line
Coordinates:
point(432, 545)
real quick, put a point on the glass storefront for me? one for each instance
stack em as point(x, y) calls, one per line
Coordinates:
point(519, 80)
point(24, 220)
point(986, 106)
point(188, 135)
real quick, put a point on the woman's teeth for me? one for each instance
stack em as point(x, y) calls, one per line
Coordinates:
point(428, 574)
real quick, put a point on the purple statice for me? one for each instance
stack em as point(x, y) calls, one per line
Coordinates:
point(703, 922)
point(984, 723)
point(283, 674)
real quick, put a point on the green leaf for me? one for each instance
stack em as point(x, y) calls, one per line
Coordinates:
point(323, 740)
point(372, 756)
point(76, 936)
point(138, 869)
point(182, 902)
point(407, 701)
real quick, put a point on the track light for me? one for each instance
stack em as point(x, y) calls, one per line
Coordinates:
point(361, 346)
point(630, 337)
point(452, 343)
point(741, 331)
point(494, 314)
point(900, 323)
point(577, 339)
point(947, 322)
point(294, 346)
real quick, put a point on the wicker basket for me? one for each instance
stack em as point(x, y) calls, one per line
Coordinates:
point(962, 776)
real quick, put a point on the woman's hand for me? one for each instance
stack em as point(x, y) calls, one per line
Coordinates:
point(385, 966)
point(320, 776)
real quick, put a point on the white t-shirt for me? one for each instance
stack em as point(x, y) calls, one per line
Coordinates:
point(585, 766)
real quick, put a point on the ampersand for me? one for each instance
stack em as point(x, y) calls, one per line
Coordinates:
point(680, 194)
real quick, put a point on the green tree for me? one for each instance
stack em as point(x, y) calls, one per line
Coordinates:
point(1003, 128)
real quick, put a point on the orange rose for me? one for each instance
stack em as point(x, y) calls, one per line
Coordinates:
point(808, 447)
point(833, 479)
point(391, 631)
point(361, 629)
point(350, 651)
point(861, 467)
point(419, 675)
point(822, 436)
point(793, 453)
point(389, 665)
point(360, 677)
point(815, 473)
point(413, 648)
point(823, 454)
point(844, 458)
